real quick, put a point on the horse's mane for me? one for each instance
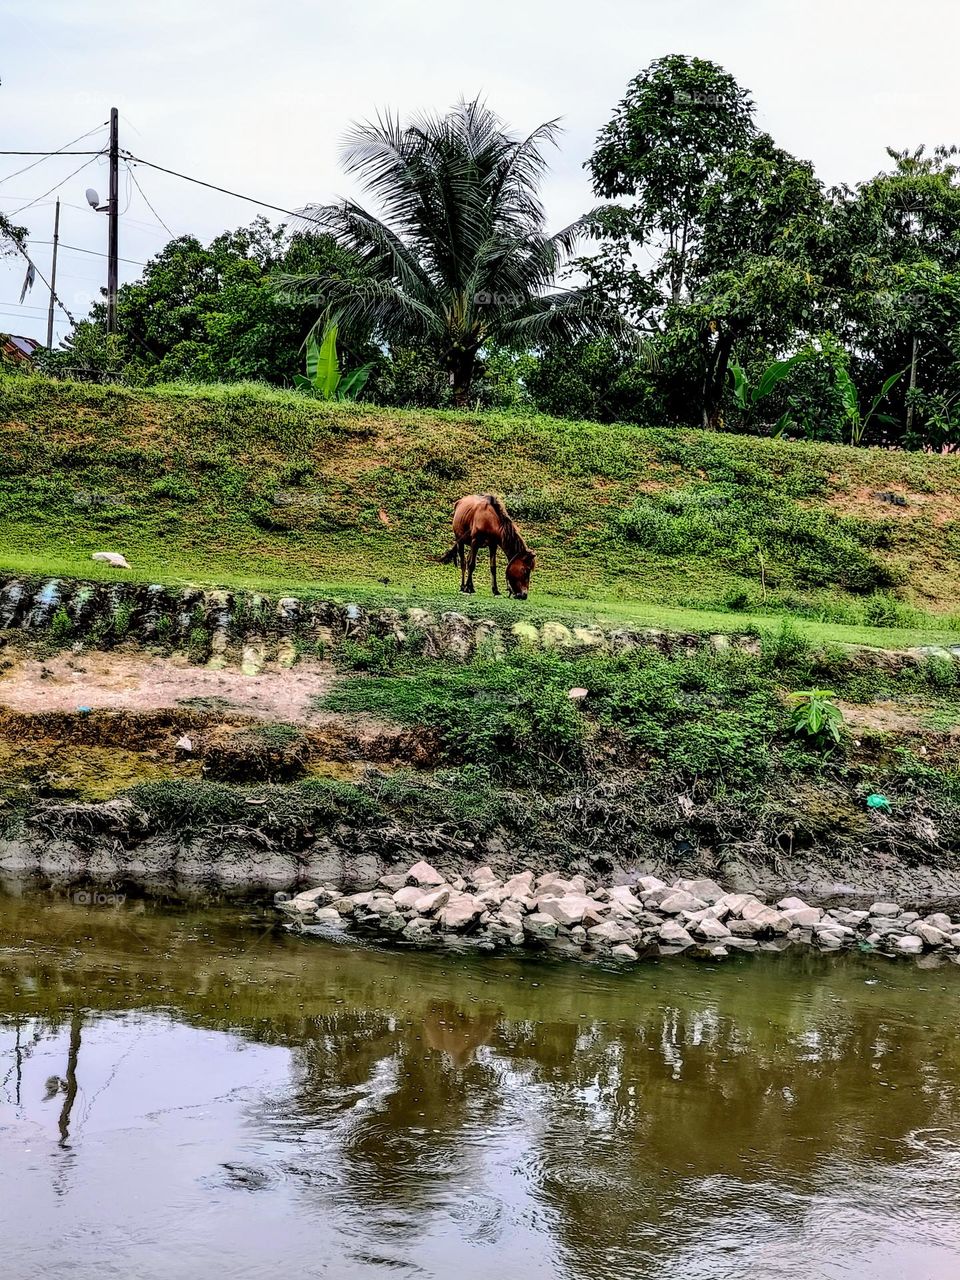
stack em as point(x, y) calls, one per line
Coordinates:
point(510, 539)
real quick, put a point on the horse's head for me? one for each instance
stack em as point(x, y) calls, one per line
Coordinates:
point(518, 574)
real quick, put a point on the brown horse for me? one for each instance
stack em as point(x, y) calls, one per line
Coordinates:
point(482, 521)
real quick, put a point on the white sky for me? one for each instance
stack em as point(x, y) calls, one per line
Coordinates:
point(256, 96)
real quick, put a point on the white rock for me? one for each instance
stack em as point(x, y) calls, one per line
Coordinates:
point(460, 912)
point(940, 920)
point(711, 929)
point(408, 897)
point(909, 944)
point(483, 878)
point(929, 934)
point(707, 891)
point(184, 744)
point(423, 874)
point(610, 933)
point(792, 904)
point(885, 909)
point(673, 934)
point(519, 886)
point(329, 916)
point(736, 902)
point(568, 910)
point(679, 901)
point(804, 917)
point(393, 881)
point(623, 951)
point(625, 896)
point(433, 900)
point(647, 884)
point(113, 558)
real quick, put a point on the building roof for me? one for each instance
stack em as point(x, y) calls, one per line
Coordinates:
point(17, 347)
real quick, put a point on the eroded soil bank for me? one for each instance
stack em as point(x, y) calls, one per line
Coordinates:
point(195, 741)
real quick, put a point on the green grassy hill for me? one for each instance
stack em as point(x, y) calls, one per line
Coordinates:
point(248, 486)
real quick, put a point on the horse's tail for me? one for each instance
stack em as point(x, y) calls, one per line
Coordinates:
point(450, 557)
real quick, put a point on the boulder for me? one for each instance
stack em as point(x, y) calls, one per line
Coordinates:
point(707, 891)
point(329, 916)
point(884, 909)
point(909, 944)
point(394, 923)
point(791, 904)
point(711, 929)
point(610, 933)
point(940, 920)
point(539, 927)
point(647, 884)
point(393, 881)
point(519, 886)
point(680, 900)
point(673, 934)
point(568, 910)
point(804, 917)
point(433, 900)
point(766, 919)
point(625, 896)
point(418, 929)
point(929, 934)
point(113, 558)
point(408, 897)
point(623, 951)
point(736, 902)
point(423, 874)
point(483, 878)
point(460, 913)
point(742, 944)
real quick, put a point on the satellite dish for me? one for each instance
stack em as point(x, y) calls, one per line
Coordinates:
point(93, 198)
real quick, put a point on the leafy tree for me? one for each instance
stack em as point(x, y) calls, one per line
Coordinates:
point(665, 144)
point(730, 221)
point(894, 270)
point(12, 237)
point(212, 313)
point(460, 259)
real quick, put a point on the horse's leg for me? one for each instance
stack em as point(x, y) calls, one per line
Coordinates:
point(493, 568)
point(471, 561)
point(461, 549)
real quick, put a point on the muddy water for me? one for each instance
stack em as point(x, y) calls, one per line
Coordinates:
point(187, 1092)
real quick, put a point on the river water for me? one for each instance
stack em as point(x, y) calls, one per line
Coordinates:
point(186, 1092)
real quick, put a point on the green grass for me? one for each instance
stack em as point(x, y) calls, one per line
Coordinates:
point(251, 487)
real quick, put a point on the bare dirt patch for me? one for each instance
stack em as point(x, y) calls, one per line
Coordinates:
point(113, 681)
point(876, 504)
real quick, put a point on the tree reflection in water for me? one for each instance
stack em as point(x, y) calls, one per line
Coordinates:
point(629, 1118)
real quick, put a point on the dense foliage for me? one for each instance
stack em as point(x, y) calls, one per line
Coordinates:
point(715, 258)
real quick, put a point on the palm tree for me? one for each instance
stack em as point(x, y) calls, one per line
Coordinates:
point(460, 258)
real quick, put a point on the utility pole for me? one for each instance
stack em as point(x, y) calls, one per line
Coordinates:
point(113, 218)
point(53, 276)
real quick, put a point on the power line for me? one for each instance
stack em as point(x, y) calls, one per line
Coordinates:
point(277, 208)
point(49, 153)
point(96, 252)
point(60, 151)
point(56, 186)
point(148, 204)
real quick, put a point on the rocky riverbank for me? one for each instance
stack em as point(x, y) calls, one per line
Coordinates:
point(626, 922)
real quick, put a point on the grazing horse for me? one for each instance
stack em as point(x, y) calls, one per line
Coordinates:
point(482, 521)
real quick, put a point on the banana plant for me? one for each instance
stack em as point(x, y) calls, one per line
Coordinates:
point(851, 403)
point(747, 397)
point(324, 381)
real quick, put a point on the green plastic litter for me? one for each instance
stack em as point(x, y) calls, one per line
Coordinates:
point(878, 802)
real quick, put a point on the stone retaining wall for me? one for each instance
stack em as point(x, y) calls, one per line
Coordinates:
point(251, 629)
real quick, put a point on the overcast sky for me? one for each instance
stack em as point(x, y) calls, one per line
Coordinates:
point(256, 96)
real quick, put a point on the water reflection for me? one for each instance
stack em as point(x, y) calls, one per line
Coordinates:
point(247, 1099)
